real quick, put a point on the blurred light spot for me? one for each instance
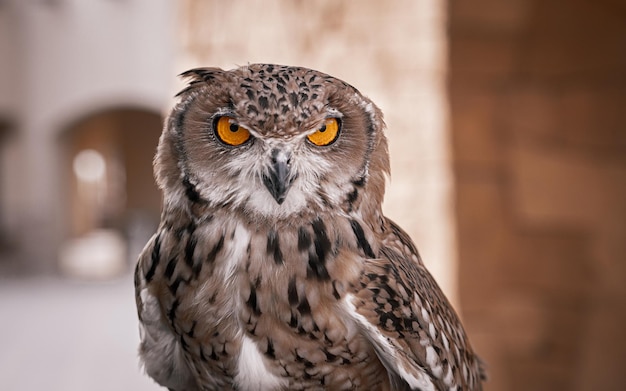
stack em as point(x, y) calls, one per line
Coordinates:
point(89, 165)
point(100, 254)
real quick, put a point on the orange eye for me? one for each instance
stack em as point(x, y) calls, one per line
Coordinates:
point(327, 134)
point(229, 132)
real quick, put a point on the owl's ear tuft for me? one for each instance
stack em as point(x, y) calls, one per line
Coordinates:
point(200, 76)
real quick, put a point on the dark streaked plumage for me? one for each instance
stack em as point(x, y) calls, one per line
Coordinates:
point(273, 267)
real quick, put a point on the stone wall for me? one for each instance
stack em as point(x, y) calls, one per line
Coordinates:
point(538, 96)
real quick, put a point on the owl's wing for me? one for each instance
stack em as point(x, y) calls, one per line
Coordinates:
point(159, 349)
point(413, 328)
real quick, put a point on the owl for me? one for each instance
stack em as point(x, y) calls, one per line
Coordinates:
point(273, 267)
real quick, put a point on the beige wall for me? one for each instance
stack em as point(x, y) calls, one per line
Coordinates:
point(538, 97)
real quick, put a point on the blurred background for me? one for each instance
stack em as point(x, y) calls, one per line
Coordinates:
point(507, 127)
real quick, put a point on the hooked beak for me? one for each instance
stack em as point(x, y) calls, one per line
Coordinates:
point(278, 180)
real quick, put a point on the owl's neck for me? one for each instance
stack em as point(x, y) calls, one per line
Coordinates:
point(367, 212)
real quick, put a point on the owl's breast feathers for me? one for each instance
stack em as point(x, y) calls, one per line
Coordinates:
point(334, 303)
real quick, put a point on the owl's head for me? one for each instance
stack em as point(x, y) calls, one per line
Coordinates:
point(272, 142)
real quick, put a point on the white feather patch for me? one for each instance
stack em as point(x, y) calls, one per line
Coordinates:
point(252, 374)
point(235, 252)
point(446, 344)
point(449, 377)
point(414, 376)
point(432, 331)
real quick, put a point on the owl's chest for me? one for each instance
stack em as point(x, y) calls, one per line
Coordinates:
point(254, 282)
point(268, 305)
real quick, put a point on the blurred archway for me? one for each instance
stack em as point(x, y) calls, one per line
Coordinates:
point(111, 202)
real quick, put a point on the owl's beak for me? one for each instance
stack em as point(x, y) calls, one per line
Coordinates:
point(278, 179)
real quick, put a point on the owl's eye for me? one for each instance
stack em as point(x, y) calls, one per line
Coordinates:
point(229, 132)
point(327, 134)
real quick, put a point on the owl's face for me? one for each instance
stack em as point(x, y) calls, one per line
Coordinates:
point(272, 141)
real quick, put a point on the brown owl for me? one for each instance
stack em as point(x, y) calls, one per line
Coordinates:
point(273, 267)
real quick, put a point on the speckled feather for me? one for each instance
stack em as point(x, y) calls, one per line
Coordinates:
point(236, 291)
